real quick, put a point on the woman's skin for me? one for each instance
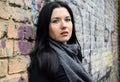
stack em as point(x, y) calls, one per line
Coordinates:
point(60, 27)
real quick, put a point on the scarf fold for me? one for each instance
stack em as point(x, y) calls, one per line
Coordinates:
point(67, 54)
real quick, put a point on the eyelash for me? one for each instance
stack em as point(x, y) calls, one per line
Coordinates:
point(57, 20)
point(68, 19)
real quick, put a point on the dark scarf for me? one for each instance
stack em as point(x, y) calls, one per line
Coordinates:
point(70, 62)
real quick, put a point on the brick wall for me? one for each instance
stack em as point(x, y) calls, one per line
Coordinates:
point(16, 36)
point(96, 29)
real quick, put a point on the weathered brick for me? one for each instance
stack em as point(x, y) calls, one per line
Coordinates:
point(2, 48)
point(28, 3)
point(16, 50)
point(25, 76)
point(13, 78)
point(20, 14)
point(22, 79)
point(18, 64)
point(3, 67)
point(6, 48)
point(17, 2)
point(25, 47)
point(4, 80)
point(30, 32)
point(9, 48)
point(26, 32)
point(1, 32)
point(3, 28)
point(4, 9)
point(22, 47)
point(3, 0)
point(17, 14)
point(12, 30)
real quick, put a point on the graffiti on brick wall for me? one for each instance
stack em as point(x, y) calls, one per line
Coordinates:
point(36, 7)
point(106, 35)
point(96, 40)
point(21, 79)
point(2, 47)
point(25, 34)
point(3, 44)
point(97, 46)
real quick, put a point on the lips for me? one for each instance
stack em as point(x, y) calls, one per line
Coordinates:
point(65, 33)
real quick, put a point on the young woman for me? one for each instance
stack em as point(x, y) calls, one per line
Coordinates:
point(56, 56)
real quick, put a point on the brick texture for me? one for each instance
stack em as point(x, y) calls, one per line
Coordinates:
point(4, 9)
point(3, 67)
point(12, 30)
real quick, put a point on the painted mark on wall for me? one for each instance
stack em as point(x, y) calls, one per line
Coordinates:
point(25, 34)
point(3, 44)
point(29, 32)
point(21, 79)
point(26, 20)
point(36, 7)
point(21, 32)
point(34, 11)
point(106, 35)
point(25, 47)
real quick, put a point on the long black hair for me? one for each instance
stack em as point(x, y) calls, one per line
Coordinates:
point(47, 58)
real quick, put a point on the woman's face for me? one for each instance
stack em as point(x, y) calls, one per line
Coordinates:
point(60, 27)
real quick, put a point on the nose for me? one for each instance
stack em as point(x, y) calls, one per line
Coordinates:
point(63, 24)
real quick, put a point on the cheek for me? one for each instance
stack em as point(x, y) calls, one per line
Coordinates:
point(71, 29)
point(52, 32)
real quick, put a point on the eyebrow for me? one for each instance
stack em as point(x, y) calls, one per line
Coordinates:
point(58, 17)
point(55, 18)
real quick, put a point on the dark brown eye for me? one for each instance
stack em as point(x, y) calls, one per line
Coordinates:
point(55, 21)
point(67, 19)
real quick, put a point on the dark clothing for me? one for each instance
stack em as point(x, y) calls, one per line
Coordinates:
point(35, 75)
point(68, 55)
point(70, 69)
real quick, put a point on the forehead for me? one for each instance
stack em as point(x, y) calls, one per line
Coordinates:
point(61, 11)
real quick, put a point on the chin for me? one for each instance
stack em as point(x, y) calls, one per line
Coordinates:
point(64, 41)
